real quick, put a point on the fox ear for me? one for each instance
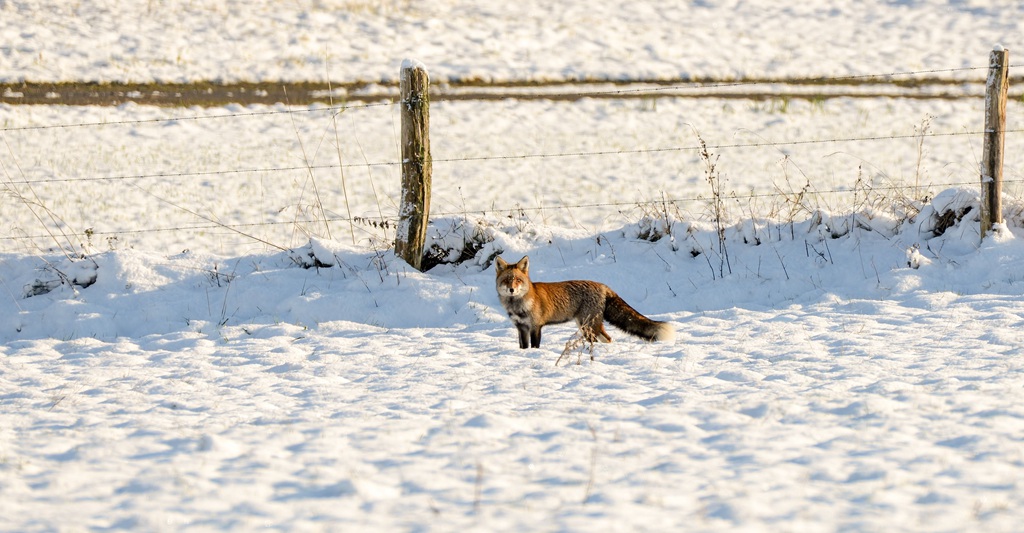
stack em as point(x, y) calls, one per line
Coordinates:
point(524, 264)
point(500, 263)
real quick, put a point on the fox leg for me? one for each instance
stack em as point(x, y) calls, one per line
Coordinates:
point(524, 336)
point(603, 335)
point(534, 338)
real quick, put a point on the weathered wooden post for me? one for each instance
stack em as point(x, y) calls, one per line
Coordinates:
point(995, 133)
point(414, 211)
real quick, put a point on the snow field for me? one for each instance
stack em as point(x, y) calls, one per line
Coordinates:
point(850, 369)
point(361, 40)
point(802, 394)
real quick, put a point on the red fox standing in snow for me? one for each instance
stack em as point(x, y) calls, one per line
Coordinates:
point(532, 306)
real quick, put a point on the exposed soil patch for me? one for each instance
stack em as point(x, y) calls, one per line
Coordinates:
point(303, 93)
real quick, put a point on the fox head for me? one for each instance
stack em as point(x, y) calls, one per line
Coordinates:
point(512, 280)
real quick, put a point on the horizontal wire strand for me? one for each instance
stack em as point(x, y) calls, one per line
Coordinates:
point(394, 220)
point(597, 153)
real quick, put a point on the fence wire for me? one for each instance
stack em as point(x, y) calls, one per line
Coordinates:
point(512, 157)
point(390, 222)
point(336, 110)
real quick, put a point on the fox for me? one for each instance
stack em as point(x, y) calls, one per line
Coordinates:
point(533, 305)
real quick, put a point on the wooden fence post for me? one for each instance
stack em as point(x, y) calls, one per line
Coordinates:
point(414, 211)
point(995, 133)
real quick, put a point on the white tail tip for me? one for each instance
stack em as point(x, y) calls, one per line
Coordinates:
point(666, 333)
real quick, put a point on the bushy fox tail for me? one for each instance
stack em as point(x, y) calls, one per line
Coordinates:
point(624, 317)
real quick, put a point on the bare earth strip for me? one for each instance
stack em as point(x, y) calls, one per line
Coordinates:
point(305, 93)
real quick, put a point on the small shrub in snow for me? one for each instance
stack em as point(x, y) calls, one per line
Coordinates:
point(455, 241)
point(81, 273)
point(579, 343)
point(947, 210)
point(915, 259)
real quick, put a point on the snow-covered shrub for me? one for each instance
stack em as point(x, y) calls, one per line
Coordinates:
point(454, 241)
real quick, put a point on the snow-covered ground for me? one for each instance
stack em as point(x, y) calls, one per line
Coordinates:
point(838, 365)
point(365, 40)
point(823, 385)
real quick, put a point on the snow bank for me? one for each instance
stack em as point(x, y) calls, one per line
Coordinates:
point(822, 384)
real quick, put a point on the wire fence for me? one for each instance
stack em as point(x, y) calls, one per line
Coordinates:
point(444, 214)
point(512, 157)
point(16, 180)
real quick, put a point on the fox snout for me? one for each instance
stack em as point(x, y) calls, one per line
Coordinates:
point(512, 288)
